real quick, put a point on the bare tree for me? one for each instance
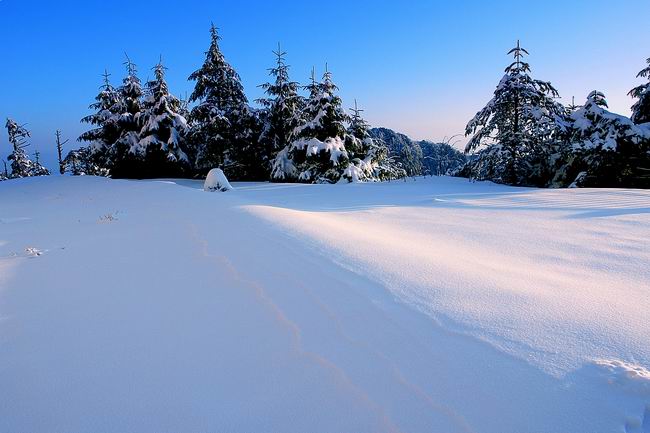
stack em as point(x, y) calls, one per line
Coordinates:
point(59, 150)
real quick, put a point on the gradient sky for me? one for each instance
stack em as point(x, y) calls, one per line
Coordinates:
point(420, 67)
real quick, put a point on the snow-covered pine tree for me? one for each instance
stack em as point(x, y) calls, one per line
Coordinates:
point(317, 154)
point(120, 159)
point(572, 106)
point(21, 165)
point(222, 126)
point(641, 109)
point(368, 157)
point(517, 128)
point(411, 157)
point(106, 122)
point(607, 149)
point(184, 109)
point(281, 113)
point(159, 151)
point(80, 162)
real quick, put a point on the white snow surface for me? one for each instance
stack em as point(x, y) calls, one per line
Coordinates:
point(434, 305)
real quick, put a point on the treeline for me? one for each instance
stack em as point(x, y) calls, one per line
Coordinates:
point(144, 131)
point(421, 158)
point(523, 136)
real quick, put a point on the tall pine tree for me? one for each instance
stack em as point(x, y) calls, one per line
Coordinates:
point(369, 160)
point(121, 161)
point(281, 109)
point(641, 109)
point(318, 153)
point(517, 128)
point(160, 149)
point(106, 122)
point(222, 125)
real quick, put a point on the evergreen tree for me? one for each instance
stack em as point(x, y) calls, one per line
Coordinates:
point(641, 109)
point(281, 110)
point(159, 151)
point(411, 157)
point(518, 126)
point(317, 154)
point(80, 162)
point(184, 109)
point(572, 106)
point(121, 159)
point(106, 122)
point(369, 160)
point(222, 126)
point(606, 149)
point(21, 165)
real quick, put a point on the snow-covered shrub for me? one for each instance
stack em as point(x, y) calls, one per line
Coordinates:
point(216, 181)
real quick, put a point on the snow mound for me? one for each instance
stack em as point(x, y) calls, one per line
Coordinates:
point(217, 181)
point(625, 374)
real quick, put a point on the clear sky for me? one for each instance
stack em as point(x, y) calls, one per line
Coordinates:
point(420, 67)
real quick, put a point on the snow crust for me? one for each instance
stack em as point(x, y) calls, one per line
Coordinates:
point(419, 306)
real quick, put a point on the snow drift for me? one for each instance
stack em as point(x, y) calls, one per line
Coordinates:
point(430, 305)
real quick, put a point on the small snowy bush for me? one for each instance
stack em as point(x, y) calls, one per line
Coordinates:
point(216, 181)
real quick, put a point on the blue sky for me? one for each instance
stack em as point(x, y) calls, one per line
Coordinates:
point(419, 67)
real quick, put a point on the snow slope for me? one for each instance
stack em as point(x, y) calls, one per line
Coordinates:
point(433, 305)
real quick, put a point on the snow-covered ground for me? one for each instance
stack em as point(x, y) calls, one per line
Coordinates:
point(434, 305)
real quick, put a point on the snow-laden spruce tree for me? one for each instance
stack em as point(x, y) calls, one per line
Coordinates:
point(641, 109)
point(222, 125)
point(107, 124)
point(159, 152)
point(21, 164)
point(607, 149)
point(317, 154)
point(517, 129)
point(411, 156)
point(81, 162)
point(369, 160)
point(281, 113)
point(120, 158)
